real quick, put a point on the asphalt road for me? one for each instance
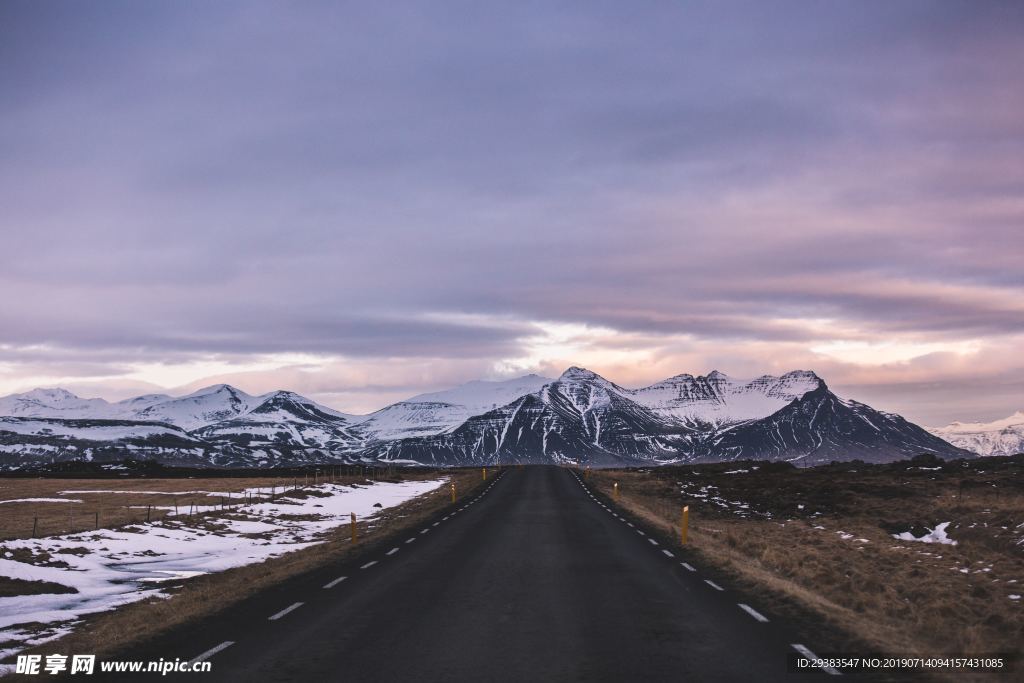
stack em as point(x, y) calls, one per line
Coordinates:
point(533, 580)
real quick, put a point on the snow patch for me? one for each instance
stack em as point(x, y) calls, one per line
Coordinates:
point(936, 535)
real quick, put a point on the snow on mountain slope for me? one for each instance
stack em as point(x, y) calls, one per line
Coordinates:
point(480, 396)
point(582, 417)
point(442, 411)
point(1001, 437)
point(54, 403)
point(718, 399)
point(32, 440)
point(130, 406)
point(285, 419)
point(579, 417)
point(93, 430)
point(818, 428)
point(405, 419)
point(201, 408)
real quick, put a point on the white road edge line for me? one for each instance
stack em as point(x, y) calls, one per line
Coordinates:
point(212, 651)
point(286, 610)
point(713, 585)
point(369, 564)
point(392, 551)
point(334, 583)
point(754, 613)
point(688, 566)
point(810, 655)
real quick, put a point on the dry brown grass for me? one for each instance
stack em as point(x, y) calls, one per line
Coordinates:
point(128, 501)
point(118, 631)
point(893, 596)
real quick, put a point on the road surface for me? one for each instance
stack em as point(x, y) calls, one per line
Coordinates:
point(535, 579)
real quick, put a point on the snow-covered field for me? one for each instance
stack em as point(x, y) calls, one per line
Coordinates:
point(110, 568)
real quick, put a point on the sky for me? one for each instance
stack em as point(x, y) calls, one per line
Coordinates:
point(364, 201)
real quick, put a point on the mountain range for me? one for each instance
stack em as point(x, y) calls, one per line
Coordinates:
point(580, 417)
point(1001, 437)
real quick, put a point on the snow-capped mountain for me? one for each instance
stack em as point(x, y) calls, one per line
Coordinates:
point(34, 439)
point(719, 400)
point(443, 411)
point(286, 420)
point(578, 417)
point(197, 409)
point(53, 403)
point(200, 408)
point(582, 417)
point(579, 413)
point(820, 427)
point(1001, 437)
point(61, 403)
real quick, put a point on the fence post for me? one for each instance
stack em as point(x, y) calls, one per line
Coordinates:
point(684, 524)
point(149, 510)
point(97, 519)
point(35, 523)
point(354, 533)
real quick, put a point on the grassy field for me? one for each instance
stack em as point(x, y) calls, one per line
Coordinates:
point(55, 506)
point(821, 540)
point(119, 630)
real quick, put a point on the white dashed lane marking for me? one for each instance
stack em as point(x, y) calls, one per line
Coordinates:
point(410, 540)
point(392, 551)
point(688, 566)
point(212, 651)
point(369, 564)
point(753, 612)
point(810, 655)
point(334, 583)
point(652, 541)
point(286, 610)
point(667, 553)
point(713, 585)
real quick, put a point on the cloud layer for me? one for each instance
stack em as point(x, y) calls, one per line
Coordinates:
point(366, 202)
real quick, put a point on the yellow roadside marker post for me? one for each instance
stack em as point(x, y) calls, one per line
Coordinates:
point(353, 526)
point(684, 524)
point(484, 470)
point(616, 490)
point(453, 491)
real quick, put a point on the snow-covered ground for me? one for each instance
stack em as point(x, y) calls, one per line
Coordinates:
point(110, 567)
